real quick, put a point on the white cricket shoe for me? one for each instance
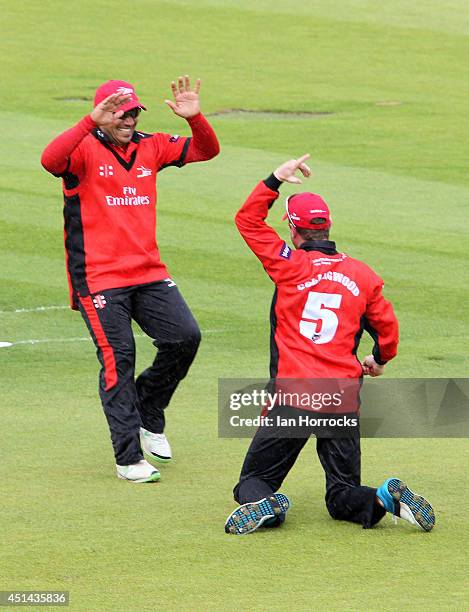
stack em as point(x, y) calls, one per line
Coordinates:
point(155, 446)
point(138, 472)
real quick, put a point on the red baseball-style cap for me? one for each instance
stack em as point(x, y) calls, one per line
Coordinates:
point(110, 87)
point(304, 208)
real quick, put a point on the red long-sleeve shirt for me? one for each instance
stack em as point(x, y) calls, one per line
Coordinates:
point(323, 300)
point(110, 200)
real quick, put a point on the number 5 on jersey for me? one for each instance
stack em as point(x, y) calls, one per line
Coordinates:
point(318, 322)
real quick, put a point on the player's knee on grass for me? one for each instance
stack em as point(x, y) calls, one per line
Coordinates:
point(251, 490)
point(336, 503)
point(367, 512)
point(334, 511)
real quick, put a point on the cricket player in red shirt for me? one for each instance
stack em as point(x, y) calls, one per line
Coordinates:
point(323, 302)
point(109, 169)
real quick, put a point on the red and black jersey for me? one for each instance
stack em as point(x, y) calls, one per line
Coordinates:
point(323, 300)
point(110, 198)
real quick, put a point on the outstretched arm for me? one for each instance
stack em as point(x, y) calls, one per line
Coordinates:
point(186, 104)
point(263, 240)
point(55, 157)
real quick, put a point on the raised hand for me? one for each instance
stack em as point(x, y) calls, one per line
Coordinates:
point(107, 110)
point(286, 172)
point(186, 100)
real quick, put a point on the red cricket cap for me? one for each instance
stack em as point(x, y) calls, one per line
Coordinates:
point(303, 208)
point(110, 87)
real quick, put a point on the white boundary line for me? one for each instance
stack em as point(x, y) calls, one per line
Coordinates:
point(7, 344)
point(54, 340)
point(82, 339)
point(37, 309)
point(46, 340)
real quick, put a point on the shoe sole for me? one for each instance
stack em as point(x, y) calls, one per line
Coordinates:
point(249, 517)
point(156, 457)
point(418, 506)
point(153, 478)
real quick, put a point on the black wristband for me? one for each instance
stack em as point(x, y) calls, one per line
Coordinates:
point(272, 182)
point(377, 357)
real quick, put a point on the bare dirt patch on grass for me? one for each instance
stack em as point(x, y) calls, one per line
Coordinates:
point(244, 113)
point(74, 98)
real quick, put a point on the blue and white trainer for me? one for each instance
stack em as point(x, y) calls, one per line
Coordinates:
point(402, 503)
point(251, 516)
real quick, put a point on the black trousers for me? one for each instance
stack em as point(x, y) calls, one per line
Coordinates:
point(270, 458)
point(129, 404)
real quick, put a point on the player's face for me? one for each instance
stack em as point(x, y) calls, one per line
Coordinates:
point(121, 130)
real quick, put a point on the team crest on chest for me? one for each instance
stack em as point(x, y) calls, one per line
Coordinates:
point(106, 170)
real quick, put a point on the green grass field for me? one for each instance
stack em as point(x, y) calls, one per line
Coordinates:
point(391, 158)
